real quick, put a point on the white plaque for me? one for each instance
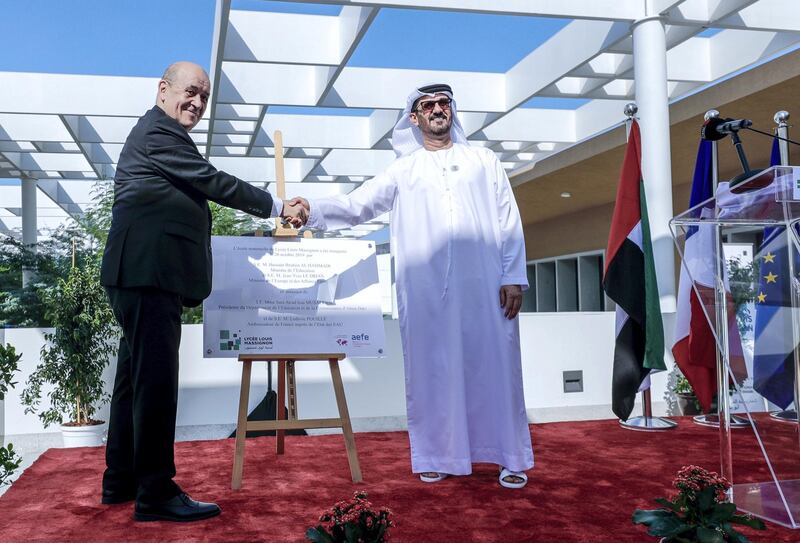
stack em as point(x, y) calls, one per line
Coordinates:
point(291, 297)
point(796, 183)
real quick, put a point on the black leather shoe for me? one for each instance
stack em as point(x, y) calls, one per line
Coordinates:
point(114, 498)
point(181, 508)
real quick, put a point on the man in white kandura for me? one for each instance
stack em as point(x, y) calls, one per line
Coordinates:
point(459, 253)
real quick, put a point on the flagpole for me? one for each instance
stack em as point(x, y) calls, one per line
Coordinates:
point(723, 395)
point(710, 114)
point(712, 420)
point(647, 422)
point(722, 381)
point(722, 375)
point(782, 120)
point(782, 130)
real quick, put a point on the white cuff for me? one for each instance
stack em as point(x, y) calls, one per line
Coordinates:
point(315, 218)
point(514, 280)
point(277, 207)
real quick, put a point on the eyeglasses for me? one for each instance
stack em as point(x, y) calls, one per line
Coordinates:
point(428, 105)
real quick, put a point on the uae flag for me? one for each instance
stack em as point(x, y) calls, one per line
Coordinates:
point(630, 280)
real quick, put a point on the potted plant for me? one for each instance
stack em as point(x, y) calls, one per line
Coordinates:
point(353, 521)
point(9, 364)
point(699, 513)
point(74, 357)
point(688, 404)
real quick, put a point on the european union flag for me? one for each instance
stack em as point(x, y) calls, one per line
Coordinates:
point(775, 153)
point(773, 358)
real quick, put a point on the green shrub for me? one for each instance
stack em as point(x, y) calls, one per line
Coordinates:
point(9, 365)
point(76, 352)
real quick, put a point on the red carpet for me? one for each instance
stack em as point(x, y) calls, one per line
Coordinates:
point(588, 479)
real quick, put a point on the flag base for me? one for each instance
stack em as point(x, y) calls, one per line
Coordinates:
point(712, 421)
point(784, 416)
point(648, 424)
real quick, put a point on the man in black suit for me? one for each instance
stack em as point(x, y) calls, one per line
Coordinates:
point(158, 259)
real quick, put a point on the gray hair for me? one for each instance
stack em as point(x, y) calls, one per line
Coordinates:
point(171, 72)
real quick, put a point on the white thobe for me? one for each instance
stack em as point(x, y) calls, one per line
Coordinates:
point(456, 237)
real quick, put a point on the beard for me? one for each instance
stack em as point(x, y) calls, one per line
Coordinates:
point(437, 129)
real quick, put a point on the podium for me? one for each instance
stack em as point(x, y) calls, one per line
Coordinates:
point(741, 250)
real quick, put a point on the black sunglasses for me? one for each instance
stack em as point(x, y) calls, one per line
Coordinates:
point(428, 105)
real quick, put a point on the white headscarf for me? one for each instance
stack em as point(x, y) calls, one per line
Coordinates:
point(407, 138)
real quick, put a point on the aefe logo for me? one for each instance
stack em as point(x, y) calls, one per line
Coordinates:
point(360, 337)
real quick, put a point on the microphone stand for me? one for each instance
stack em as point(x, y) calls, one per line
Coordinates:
point(746, 171)
point(737, 143)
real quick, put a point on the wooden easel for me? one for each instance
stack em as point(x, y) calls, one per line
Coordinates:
point(287, 384)
point(289, 421)
point(280, 230)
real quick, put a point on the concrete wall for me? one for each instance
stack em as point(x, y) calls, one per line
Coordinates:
point(579, 232)
point(209, 388)
point(585, 230)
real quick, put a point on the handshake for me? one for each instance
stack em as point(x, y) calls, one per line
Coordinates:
point(295, 211)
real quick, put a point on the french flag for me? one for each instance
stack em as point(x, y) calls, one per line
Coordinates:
point(695, 346)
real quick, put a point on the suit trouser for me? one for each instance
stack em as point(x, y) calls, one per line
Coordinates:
point(141, 432)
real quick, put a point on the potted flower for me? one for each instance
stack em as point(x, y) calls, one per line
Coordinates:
point(73, 358)
point(699, 513)
point(688, 404)
point(9, 364)
point(353, 521)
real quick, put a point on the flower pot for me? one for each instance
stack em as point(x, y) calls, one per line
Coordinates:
point(88, 435)
point(687, 404)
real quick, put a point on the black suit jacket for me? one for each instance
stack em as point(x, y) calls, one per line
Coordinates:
point(160, 232)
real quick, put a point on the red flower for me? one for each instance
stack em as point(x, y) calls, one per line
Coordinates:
point(359, 513)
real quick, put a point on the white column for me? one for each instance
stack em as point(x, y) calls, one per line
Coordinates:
point(650, 74)
point(29, 235)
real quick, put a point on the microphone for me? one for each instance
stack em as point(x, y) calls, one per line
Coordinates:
point(715, 128)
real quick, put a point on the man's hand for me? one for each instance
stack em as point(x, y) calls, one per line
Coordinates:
point(511, 300)
point(298, 200)
point(295, 213)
